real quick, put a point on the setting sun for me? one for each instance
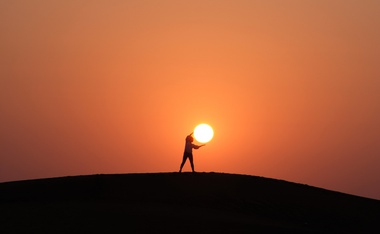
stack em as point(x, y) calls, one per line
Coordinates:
point(203, 133)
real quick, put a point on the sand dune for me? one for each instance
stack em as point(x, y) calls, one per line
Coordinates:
point(180, 203)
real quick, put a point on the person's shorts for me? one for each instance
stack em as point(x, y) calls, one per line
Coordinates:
point(187, 155)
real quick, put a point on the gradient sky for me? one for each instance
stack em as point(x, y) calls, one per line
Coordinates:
point(291, 88)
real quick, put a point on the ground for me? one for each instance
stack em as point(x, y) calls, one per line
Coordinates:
point(180, 203)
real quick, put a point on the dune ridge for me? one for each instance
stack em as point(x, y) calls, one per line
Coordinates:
point(181, 203)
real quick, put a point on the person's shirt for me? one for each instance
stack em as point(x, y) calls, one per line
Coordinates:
point(190, 146)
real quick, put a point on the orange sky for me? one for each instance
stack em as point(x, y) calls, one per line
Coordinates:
point(291, 88)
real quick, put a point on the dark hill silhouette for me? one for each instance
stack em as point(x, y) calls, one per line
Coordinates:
point(180, 203)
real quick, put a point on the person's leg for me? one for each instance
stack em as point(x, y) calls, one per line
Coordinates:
point(191, 162)
point(183, 161)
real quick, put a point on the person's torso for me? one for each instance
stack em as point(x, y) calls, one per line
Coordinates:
point(189, 147)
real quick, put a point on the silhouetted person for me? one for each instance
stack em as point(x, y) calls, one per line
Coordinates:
point(188, 153)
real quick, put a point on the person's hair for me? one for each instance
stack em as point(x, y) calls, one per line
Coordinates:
point(189, 138)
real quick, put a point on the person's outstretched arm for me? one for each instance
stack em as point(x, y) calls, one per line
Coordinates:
point(198, 146)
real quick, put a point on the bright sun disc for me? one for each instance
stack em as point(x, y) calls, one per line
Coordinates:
point(203, 133)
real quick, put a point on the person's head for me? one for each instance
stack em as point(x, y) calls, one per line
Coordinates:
point(189, 139)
